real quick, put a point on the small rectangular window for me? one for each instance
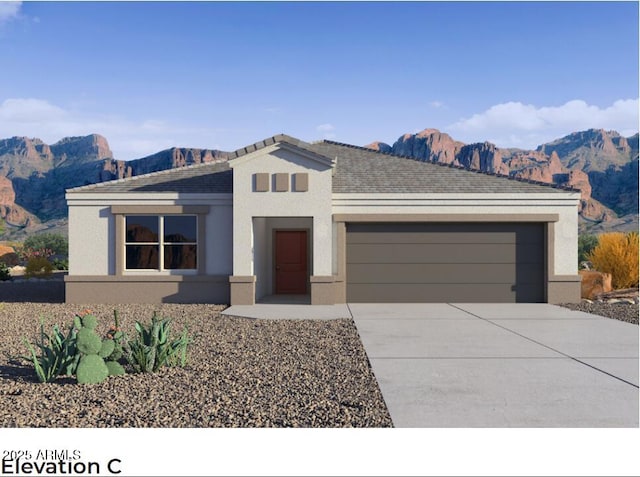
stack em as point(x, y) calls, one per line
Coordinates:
point(157, 242)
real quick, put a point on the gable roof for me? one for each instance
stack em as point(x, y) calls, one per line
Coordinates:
point(357, 170)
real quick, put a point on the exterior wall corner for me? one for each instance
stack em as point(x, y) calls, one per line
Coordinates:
point(242, 289)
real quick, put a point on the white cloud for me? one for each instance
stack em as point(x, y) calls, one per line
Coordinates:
point(29, 111)
point(33, 117)
point(9, 10)
point(436, 104)
point(514, 124)
point(326, 130)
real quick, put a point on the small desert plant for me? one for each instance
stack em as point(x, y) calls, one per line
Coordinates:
point(5, 273)
point(56, 243)
point(58, 354)
point(617, 254)
point(586, 243)
point(60, 264)
point(38, 267)
point(154, 348)
point(26, 253)
point(96, 361)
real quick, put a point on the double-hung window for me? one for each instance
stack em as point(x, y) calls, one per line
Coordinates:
point(161, 242)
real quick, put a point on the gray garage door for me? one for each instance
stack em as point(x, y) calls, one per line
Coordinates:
point(443, 262)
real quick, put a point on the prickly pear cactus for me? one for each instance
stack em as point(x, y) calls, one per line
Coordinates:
point(115, 368)
point(88, 342)
point(107, 348)
point(92, 368)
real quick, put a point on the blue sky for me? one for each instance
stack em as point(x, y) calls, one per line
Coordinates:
point(222, 75)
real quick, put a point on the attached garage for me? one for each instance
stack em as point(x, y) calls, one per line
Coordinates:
point(445, 262)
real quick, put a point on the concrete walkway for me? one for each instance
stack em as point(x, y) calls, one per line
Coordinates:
point(275, 311)
point(501, 365)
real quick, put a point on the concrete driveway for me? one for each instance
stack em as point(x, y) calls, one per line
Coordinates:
point(501, 365)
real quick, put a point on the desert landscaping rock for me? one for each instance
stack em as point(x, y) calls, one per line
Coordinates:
point(621, 310)
point(241, 373)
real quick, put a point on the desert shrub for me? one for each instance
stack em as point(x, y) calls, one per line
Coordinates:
point(38, 267)
point(586, 243)
point(617, 254)
point(5, 273)
point(56, 243)
point(153, 347)
point(60, 264)
point(25, 254)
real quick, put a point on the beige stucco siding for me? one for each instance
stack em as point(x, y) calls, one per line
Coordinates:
point(219, 240)
point(314, 203)
point(92, 240)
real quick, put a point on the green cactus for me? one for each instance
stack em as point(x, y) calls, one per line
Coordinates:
point(88, 342)
point(107, 348)
point(117, 352)
point(97, 357)
point(91, 369)
point(89, 321)
point(115, 368)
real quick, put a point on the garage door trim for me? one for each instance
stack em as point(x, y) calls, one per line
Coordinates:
point(446, 218)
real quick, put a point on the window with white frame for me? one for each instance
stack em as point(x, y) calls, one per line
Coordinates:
point(161, 242)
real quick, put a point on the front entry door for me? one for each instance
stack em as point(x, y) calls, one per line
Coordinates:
point(291, 262)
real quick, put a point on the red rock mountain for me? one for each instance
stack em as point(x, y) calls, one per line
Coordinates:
point(34, 176)
point(603, 165)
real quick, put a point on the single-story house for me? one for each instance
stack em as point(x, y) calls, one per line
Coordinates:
point(335, 222)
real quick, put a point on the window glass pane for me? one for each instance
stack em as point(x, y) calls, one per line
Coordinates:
point(180, 229)
point(142, 257)
point(142, 228)
point(180, 257)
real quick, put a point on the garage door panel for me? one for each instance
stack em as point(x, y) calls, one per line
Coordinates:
point(420, 293)
point(446, 273)
point(442, 253)
point(476, 233)
point(431, 253)
point(432, 237)
point(491, 262)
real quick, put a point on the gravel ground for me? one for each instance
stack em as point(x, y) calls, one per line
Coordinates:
point(618, 311)
point(241, 373)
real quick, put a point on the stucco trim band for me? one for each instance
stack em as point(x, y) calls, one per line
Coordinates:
point(213, 289)
point(446, 217)
point(160, 209)
point(147, 278)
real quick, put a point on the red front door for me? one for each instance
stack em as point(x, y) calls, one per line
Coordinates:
point(291, 262)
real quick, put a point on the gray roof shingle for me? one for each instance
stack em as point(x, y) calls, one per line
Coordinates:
point(362, 170)
point(200, 178)
point(357, 170)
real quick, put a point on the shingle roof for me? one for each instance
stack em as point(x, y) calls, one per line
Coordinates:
point(363, 170)
point(199, 178)
point(357, 170)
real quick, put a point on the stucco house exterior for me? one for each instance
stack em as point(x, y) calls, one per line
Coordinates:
point(333, 222)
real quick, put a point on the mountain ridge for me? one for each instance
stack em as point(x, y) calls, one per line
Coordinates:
point(602, 164)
